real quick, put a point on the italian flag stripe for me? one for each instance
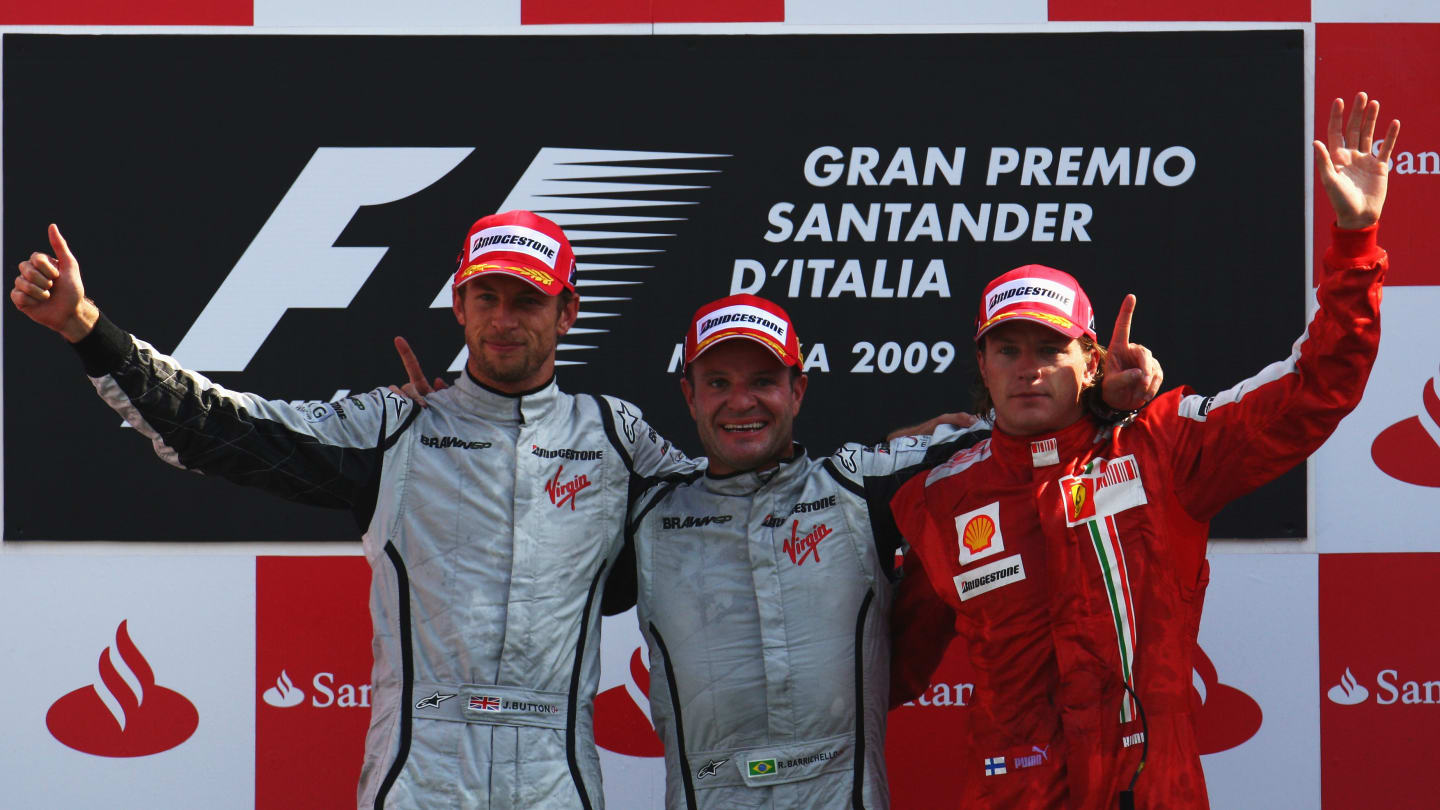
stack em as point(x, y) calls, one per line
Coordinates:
point(1117, 585)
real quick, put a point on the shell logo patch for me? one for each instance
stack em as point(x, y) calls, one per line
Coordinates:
point(979, 534)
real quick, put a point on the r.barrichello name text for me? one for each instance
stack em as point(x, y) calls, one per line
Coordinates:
point(806, 760)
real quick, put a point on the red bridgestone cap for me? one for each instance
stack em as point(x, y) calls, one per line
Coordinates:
point(520, 244)
point(743, 316)
point(1037, 293)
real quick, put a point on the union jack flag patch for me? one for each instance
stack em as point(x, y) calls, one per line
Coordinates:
point(484, 703)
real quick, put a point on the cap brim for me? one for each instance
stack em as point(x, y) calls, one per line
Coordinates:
point(542, 280)
point(1059, 323)
point(785, 358)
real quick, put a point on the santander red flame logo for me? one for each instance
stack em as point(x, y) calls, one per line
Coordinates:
point(1224, 716)
point(128, 715)
point(622, 715)
point(1410, 449)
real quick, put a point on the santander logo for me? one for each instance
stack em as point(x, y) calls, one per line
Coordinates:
point(127, 714)
point(284, 693)
point(1348, 692)
point(622, 715)
point(1390, 690)
point(1225, 717)
point(1409, 450)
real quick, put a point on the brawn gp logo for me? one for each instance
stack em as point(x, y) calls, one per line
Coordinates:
point(446, 442)
point(693, 521)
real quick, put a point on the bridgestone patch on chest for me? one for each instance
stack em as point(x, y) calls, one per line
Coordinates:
point(987, 578)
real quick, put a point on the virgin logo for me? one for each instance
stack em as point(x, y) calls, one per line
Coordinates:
point(561, 494)
point(1224, 716)
point(1410, 449)
point(127, 715)
point(1348, 692)
point(801, 549)
point(622, 715)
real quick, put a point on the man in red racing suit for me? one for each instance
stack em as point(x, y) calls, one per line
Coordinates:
point(1074, 556)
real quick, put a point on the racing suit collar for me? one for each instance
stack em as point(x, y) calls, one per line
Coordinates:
point(523, 407)
point(1047, 449)
point(747, 481)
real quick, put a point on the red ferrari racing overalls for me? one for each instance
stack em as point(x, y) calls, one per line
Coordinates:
point(1075, 561)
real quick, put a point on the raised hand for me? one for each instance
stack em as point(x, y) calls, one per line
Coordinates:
point(1132, 374)
point(49, 291)
point(417, 389)
point(1355, 175)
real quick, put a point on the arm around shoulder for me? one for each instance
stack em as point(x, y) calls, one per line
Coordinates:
point(645, 452)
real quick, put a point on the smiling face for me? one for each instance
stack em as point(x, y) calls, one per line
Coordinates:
point(744, 402)
point(1034, 375)
point(511, 330)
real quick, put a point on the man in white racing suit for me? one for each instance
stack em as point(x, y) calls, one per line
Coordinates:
point(765, 583)
point(492, 516)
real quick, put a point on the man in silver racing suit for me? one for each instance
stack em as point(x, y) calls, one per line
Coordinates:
point(492, 516)
point(766, 582)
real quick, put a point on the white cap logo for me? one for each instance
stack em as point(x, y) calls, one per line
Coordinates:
point(515, 239)
point(1030, 291)
point(741, 315)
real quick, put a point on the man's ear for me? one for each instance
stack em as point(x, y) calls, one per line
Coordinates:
point(688, 391)
point(457, 303)
point(568, 315)
point(797, 389)
point(1092, 365)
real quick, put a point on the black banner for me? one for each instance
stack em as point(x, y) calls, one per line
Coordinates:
point(274, 209)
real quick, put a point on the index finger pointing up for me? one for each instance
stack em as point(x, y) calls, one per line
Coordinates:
point(412, 365)
point(1121, 334)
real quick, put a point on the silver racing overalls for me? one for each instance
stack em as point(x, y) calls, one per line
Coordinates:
point(492, 522)
point(765, 600)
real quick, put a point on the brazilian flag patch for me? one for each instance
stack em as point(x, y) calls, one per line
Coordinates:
point(761, 767)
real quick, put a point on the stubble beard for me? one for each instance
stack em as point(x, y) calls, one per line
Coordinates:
point(517, 368)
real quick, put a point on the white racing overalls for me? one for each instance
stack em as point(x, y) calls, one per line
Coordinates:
point(492, 521)
point(765, 600)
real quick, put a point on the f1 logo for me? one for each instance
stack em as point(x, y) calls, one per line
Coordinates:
point(301, 232)
point(338, 181)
